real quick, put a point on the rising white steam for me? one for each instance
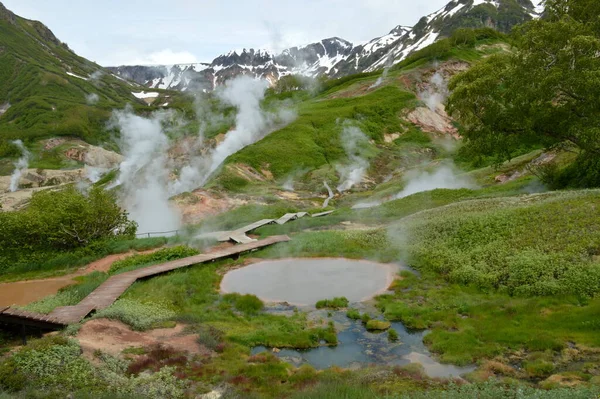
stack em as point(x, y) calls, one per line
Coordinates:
point(143, 174)
point(389, 62)
point(288, 185)
point(445, 177)
point(244, 93)
point(20, 166)
point(354, 142)
point(96, 75)
point(437, 92)
point(252, 124)
point(92, 99)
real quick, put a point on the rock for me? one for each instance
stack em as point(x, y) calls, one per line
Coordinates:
point(276, 350)
point(378, 325)
point(390, 137)
point(433, 121)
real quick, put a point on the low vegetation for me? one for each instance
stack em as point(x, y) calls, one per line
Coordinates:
point(335, 303)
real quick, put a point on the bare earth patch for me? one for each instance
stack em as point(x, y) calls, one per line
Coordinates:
point(113, 337)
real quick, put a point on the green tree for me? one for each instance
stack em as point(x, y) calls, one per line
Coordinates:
point(545, 92)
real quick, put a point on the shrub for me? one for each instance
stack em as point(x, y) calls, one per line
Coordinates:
point(12, 378)
point(335, 303)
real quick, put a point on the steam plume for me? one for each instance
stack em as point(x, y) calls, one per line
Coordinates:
point(143, 174)
point(437, 92)
point(252, 124)
point(445, 177)
point(389, 62)
point(353, 141)
point(20, 166)
point(92, 99)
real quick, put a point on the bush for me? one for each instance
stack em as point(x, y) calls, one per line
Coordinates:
point(12, 378)
point(335, 303)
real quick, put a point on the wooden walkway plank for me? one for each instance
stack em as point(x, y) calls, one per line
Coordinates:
point(286, 218)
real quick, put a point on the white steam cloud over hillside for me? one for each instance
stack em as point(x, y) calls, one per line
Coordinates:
point(143, 175)
point(20, 166)
point(92, 99)
point(252, 123)
point(436, 94)
point(354, 142)
point(445, 177)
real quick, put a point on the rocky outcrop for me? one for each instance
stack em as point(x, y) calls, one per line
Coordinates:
point(96, 157)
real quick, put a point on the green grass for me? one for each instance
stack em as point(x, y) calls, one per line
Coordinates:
point(543, 244)
point(467, 324)
point(335, 303)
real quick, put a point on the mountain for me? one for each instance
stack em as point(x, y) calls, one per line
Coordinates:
point(48, 90)
point(311, 60)
point(335, 57)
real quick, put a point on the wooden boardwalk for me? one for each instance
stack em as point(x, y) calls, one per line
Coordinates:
point(107, 293)
point(240, 235)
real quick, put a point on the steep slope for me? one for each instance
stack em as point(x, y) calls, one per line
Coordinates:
point(47, 90)
point(335, 57)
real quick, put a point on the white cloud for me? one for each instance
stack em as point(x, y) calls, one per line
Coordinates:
point(164, 57)
point(188, 31)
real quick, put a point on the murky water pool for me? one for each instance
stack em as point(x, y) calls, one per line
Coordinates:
point(303, 282)
point(25, 292)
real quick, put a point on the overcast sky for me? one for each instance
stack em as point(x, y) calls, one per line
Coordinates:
point(120, 32)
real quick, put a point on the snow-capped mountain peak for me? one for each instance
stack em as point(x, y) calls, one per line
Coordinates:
point(336, 57)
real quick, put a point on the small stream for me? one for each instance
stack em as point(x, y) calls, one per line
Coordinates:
point(358, 347)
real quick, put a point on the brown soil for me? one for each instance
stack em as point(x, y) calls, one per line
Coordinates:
point(113, 337)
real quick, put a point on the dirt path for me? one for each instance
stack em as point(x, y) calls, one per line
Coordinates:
point(25, 292)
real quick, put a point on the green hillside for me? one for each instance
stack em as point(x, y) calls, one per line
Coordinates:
point(44, 99)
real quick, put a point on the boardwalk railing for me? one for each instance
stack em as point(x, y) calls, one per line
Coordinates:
point(159, 234)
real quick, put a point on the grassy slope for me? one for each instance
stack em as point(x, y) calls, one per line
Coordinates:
point(45, 100)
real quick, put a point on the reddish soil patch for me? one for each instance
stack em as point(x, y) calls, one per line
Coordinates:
point(113, 337)
point(104, 264)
